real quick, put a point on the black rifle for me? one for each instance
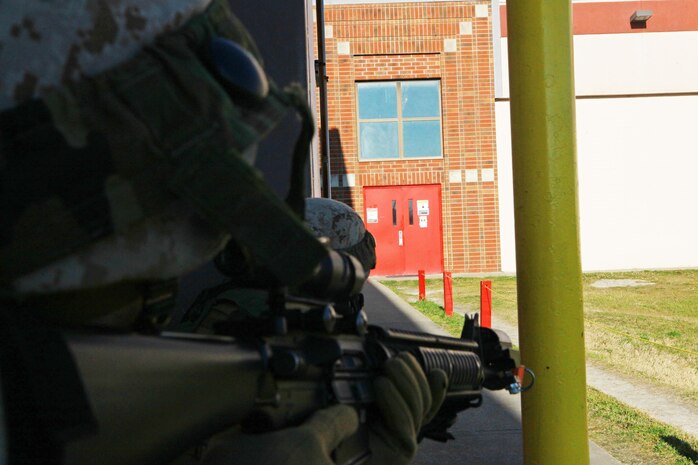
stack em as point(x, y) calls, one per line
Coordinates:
point(157, 396)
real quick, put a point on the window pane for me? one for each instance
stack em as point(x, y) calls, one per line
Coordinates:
point(420, 99)
point(378, 140)
point(422, 138)
point(377, 100)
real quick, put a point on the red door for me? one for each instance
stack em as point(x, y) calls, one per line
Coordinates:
point(406, 222)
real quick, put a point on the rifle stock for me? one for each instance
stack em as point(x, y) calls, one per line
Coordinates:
point(155, 397)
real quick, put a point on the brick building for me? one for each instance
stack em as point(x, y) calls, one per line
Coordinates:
point(412, 130)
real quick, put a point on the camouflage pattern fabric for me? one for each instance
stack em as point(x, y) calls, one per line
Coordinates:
point(343, 227)
point(334, 220)
point(364, 251)
point(48, 44)
point(101, 155)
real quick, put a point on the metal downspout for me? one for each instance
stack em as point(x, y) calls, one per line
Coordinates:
point(315, 170)
point(548, 260)
point(321, 73)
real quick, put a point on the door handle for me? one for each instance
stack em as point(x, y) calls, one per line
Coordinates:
point(399, 238)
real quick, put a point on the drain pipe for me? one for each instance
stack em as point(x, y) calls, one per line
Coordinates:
point(321, 79)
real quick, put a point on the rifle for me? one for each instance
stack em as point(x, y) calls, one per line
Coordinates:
point(157, 396)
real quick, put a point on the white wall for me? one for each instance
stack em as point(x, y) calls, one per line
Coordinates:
point(622, 64)
point(638, 182)
point(505, 184)
point(637, 153)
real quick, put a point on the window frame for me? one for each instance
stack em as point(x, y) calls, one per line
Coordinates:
point(399, 120)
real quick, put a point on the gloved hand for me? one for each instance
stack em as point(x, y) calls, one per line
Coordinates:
point(406, 399)
point(308, 444)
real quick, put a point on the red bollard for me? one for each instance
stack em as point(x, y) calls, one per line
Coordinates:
point(486, 304)
point(422, 285)
point(448, 293)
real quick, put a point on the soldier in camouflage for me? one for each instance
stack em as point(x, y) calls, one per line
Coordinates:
point(142, 132)
point(127, 131)
point(344, 229)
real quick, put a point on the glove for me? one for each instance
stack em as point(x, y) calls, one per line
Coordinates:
point(308, 444)
point(406, 399)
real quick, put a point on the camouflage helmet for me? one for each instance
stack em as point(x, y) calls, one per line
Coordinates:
point(343, 227)
point(125, 142)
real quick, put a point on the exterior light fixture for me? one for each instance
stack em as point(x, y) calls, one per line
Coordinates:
point(640, 16)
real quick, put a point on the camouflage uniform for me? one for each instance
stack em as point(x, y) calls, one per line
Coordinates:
point(124, 160)
point(332, 221)
point(114, 160)
point(344, 229)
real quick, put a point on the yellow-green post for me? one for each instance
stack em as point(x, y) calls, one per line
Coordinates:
point(551, 319)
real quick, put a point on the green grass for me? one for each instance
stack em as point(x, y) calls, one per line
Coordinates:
point(629, 435)
point(634, 438)
point(666, 312)
point(452, 325)
point(649, 332)
point(466, 293)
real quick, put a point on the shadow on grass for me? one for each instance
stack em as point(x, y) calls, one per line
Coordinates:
point(682, 448)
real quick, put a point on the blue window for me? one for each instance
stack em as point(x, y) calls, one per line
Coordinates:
point(399, 119)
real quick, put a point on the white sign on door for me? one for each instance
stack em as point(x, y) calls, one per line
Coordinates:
point(422, 207)
point(372, 215)
point(423, 221)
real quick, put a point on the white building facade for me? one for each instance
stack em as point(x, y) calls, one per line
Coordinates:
point(637, 125)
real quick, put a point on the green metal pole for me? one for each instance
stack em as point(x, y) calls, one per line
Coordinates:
point(548, 260)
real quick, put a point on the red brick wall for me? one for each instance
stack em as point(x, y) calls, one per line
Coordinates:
point(406, 41)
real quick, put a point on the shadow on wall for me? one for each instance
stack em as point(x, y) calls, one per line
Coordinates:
point(341, 185)
point(280, 36)
point(281, 40)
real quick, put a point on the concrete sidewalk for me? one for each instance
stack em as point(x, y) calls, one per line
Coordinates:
point(488, 435)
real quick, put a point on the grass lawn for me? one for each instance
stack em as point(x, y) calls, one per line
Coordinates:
point(634, 438)
point(648, 331)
